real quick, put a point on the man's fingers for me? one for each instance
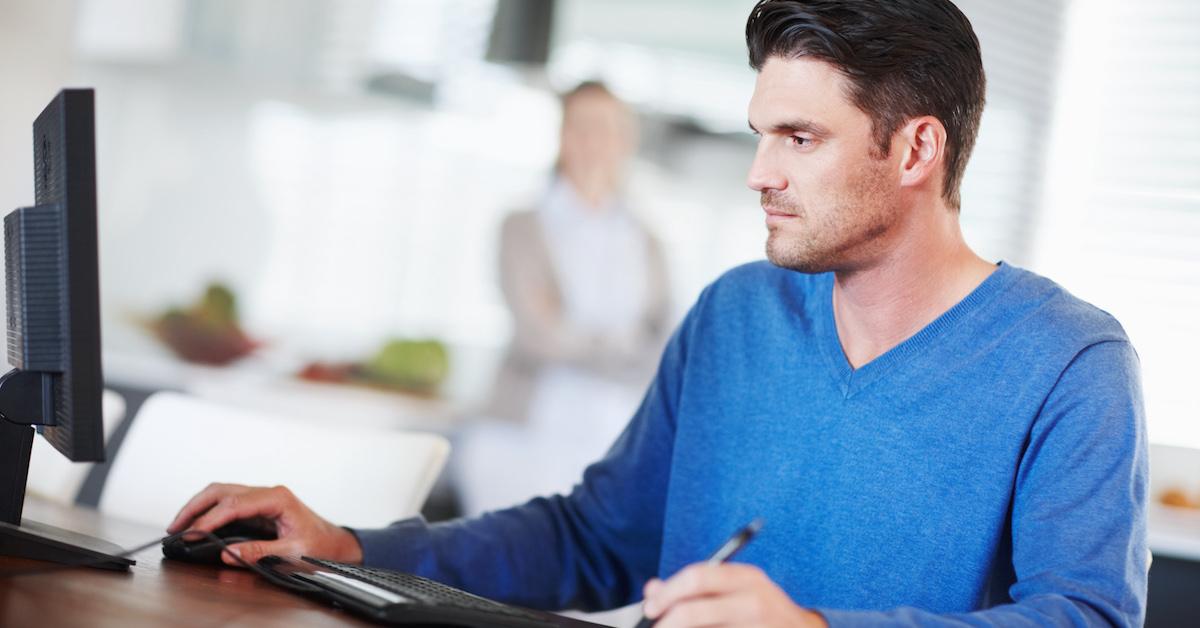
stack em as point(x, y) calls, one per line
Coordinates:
point(701, 612)
point(269, 503)
point(251, 551)
point(201, 502)
point(707, 596)
point(698, 580)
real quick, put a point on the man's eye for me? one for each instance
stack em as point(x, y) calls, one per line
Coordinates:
point(801, 141)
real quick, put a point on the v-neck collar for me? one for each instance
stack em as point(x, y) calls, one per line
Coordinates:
point(851, 380)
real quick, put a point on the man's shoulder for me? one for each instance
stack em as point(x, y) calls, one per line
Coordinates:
point(762, 279)
point(1043, 312)
point(758, 296)
point(1045, 308)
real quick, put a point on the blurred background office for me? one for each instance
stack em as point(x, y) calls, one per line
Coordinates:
point(345, 167)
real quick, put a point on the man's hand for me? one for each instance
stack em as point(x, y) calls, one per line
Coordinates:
point(300, 530)
point(728, 594)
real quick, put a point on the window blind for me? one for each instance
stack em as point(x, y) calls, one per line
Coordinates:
point(1121, 226)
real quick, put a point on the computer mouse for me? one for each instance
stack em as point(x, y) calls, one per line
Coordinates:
point(207, 551)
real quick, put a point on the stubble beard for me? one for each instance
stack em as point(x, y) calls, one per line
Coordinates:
point(840, 237)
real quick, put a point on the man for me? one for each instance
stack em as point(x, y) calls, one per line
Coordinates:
point(930, 438)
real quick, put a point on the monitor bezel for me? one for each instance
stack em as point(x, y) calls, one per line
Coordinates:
point(66, 128)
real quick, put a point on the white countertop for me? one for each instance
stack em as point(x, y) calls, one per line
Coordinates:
point(266, 381)
point(1174, 532)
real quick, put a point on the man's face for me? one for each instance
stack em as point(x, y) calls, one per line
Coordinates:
point(830, 198)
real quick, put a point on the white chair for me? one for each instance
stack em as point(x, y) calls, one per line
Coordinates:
point(51, 475)
point(178, 444)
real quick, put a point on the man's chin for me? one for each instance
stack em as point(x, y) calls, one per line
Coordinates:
point(793, 261)
point(793, 256)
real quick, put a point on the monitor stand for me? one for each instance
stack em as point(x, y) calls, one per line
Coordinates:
point(30, 539)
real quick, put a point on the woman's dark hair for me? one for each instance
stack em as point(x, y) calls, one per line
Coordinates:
point(903, 59)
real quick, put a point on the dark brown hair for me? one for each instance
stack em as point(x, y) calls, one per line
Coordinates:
point(903, 59)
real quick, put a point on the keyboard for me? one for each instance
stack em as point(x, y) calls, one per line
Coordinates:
point(396, 598)
point(426, 591)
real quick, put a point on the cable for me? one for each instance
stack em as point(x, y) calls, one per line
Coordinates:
point(199, 534)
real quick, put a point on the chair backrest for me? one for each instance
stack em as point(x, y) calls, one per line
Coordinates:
point(178, 444)
point(52, 476)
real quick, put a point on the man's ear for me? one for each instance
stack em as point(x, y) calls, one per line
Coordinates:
point(922, 143)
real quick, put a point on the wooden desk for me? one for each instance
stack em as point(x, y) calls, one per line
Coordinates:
point(154, 593)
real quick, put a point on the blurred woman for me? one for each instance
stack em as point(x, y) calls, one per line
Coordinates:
point(587, 287)
point(584, 279)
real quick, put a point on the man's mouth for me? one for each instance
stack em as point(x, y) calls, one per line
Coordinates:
point(774, 216)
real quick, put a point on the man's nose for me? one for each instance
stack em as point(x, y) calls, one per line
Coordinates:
point(764, 172)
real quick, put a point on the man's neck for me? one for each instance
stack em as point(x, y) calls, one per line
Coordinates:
point(927, 271)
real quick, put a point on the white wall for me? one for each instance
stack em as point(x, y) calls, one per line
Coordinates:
point(35, 62)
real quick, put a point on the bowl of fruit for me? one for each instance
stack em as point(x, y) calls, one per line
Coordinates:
point(402, 365)
point(205, 332)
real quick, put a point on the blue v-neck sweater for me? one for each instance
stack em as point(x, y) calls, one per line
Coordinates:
point(990, 470)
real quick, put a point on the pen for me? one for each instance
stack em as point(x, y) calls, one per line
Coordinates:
point(724, 553)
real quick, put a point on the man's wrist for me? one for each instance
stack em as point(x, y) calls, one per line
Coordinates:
point(349, 549)
point(816, 620)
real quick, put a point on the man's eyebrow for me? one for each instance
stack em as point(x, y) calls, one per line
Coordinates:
point(795, 126)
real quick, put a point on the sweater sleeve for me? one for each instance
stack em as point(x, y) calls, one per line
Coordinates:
point(1078, 519)
point(592, 549)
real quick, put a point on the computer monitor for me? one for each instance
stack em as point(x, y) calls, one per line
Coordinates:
point(53, 304)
